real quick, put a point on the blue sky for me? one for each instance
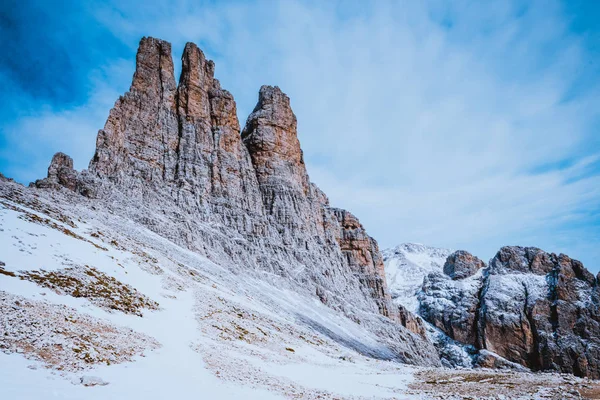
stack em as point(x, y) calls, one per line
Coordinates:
point(458, 124)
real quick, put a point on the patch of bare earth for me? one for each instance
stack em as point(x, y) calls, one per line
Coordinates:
point(486, 384)
point(100, 289)
point(63, 338)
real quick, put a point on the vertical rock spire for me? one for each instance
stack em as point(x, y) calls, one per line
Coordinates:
point(271, 138)
point(213, 163)
point(140, 137)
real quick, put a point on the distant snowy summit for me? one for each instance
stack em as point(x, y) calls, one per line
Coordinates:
point(406, 265)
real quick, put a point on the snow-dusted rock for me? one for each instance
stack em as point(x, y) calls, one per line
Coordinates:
point(451, 305)
point(529, 307)
point(462, 264)
point(60, 173)
point(171, 158)
point(541, 310)
point(88, 380)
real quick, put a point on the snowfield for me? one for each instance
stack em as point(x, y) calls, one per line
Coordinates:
point(213, 332)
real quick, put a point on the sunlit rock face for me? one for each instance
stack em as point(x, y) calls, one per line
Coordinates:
point(171, 157)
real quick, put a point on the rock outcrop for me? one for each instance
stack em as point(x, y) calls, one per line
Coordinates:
point(529, 307)
point(411, 322)
point(363, 257)
point(462, 264)
point(450, 306)
point(60, 173)
point(171, 157)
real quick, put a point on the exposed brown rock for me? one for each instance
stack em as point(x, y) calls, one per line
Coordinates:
point(560, 328)
point(213, 164)
point(410, 321)
point(537, 309)
point(272, 141)
point(141, 135)
point(364, 258)
point(462, 264)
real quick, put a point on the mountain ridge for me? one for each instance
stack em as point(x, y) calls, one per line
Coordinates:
point(191, 237)
point(173, 158)
point(525, 308)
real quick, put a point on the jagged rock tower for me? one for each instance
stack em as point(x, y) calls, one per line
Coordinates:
point(243, 199)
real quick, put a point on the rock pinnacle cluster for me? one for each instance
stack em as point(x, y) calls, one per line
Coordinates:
point(173, 158)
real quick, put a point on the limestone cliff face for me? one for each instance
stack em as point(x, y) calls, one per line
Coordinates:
point(289, 198)
point(364, 258)
point(140, 137)
point(212, 163)
point(172, 158)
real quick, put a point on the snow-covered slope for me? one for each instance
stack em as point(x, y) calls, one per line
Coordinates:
point(93, 306)
point(405, 267)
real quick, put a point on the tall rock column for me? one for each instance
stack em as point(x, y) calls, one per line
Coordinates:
point(271, 138)
point(140, 137)
point(213, 163)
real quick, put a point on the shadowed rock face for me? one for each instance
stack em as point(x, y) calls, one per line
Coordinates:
point(537, 309)
point(171, 157)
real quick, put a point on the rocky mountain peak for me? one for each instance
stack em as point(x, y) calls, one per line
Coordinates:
point(462, 264)
point(272, 140)
point(140, 137)
point(529, 307)
point(195, 83)
point(172, 159)
point(154, 72)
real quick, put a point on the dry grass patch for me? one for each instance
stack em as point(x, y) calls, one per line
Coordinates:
point(100, 289)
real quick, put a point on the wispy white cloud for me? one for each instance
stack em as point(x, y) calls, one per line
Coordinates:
point(451, 124)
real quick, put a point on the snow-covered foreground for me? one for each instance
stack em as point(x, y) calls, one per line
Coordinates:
point(95, 307)
point(214, 334)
